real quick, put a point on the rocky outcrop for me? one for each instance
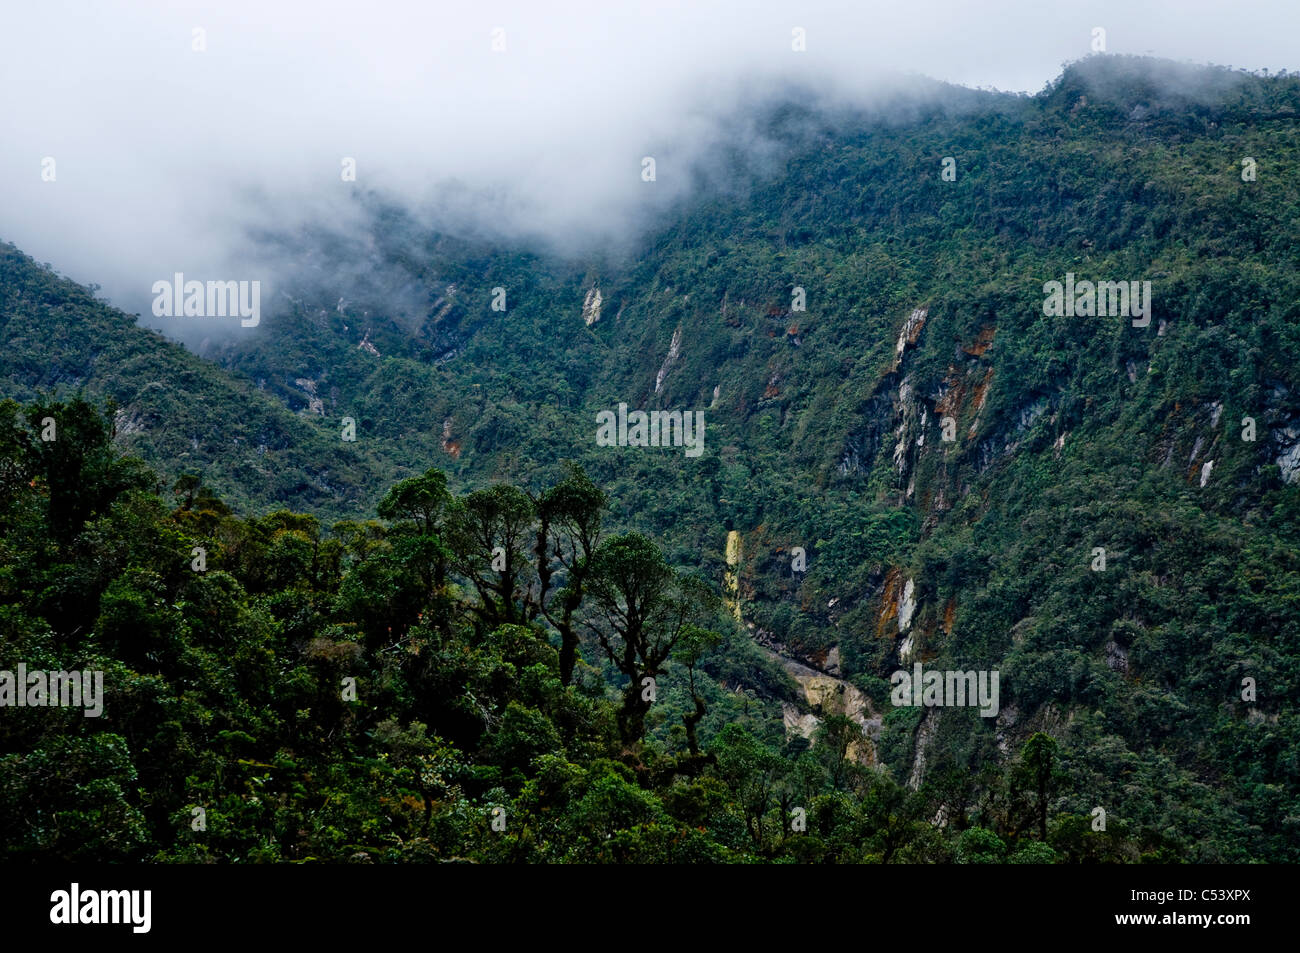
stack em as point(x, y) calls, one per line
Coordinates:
point(1286, 442)
point(674, 352)
point(733, 573)
point(907, 337)
point(906, 609)
point(591, 307)
point(892, 406)
point(314, 404)
point(1288, 460)
point(449, 444)
point(825, 694)
point(924, 732)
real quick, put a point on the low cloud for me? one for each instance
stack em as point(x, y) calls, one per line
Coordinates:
point(169, 158)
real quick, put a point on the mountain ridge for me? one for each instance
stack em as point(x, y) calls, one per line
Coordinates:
point(922, 301)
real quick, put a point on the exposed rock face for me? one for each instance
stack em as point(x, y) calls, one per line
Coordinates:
point(1289, 459)
point(907, 337)
point(908, 421)
point(892, 589)
point(125, 423)
point(897, 610)
point(448, 444)
point(898, 423)
point(1282, 419)
point(444, 306)
point(826, 694)
point(907, 606)
point(1116, 657)
point(733, 572)
point(906, 609)
point(591, 307)
point(894, 407)
point(929, 721)
point(1007, 719)
point(674, 352)
point(1029, 415)
point(803, 724)
point(314, 404)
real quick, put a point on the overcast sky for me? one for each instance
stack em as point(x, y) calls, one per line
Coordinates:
point(164, 154)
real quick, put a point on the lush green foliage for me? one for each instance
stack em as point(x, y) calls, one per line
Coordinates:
point(364, 694)
point(1072, 434)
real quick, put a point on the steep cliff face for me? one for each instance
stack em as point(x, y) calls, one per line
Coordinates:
point(591, 307)
point(936, 438)
point(1282, 417)
point(911, 427)
point(674, 352)
point(825, 694)
point(733, 573)
point(948, 456)
point(892, 418)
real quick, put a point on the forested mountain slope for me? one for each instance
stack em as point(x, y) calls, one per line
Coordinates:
point(909, 456)
point(174, 409)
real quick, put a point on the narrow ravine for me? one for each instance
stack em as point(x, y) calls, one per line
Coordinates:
point(824, 692)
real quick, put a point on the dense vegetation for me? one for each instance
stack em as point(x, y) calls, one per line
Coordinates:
point(389, 691)
point(1121, 689)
